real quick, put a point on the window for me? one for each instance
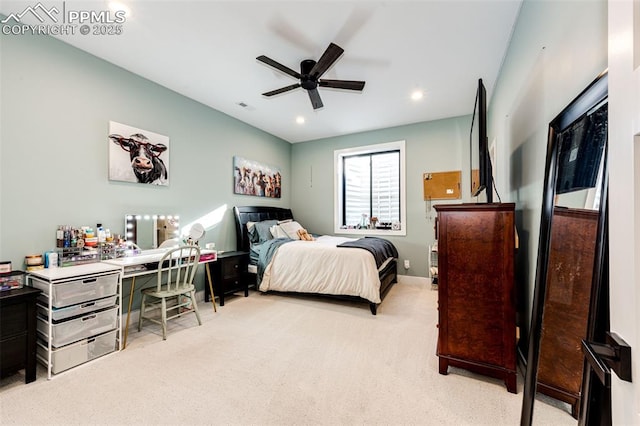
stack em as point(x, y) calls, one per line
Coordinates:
point(370, 183)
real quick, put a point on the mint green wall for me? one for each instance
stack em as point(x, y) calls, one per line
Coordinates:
point(557, 49)
point(56, 102)
point(55, 110)
point(434, 146)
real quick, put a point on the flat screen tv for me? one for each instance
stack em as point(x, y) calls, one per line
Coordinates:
point(481, 171)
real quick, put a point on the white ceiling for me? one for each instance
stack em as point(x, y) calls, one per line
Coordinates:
point(206, 50)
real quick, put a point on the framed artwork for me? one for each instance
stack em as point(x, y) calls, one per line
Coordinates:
point(137, 155)
point(254, 178)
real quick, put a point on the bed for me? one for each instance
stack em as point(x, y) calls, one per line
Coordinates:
point(317, 267)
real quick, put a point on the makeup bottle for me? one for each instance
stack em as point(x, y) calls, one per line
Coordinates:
point(60, 236)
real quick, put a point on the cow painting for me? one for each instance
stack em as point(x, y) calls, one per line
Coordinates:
point(254, 178)
point(138, 158)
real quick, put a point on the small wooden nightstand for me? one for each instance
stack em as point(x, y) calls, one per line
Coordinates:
point(230, 275)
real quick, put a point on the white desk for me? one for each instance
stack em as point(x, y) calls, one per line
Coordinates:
point(129, 267)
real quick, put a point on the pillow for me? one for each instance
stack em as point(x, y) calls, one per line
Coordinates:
point(277, 232)
point(285, 221)
point(259, 231)
point(291, 229)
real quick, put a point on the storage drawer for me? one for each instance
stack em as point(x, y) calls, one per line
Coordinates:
point(80, 309)
point(14, 354)
point(70, 331)
point(79, 352)
point(233, 268)
point(232, 285)
point(13, 319)
point(78, 291)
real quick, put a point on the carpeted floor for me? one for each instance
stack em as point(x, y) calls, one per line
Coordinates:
point(278, 360)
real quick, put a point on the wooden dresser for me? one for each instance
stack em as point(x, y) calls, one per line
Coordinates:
point(476, 292)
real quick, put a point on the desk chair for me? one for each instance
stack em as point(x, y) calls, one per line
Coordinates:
point(176, 270)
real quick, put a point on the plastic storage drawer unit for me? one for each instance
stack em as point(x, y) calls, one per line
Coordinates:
point(80, 352)
point(69, 331)
point(78, 291)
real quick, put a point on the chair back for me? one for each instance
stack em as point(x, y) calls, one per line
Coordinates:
point(178, 267)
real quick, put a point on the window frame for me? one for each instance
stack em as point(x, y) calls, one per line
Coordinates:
point(338, 156)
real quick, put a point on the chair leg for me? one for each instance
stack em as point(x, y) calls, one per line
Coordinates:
point(164, 318)
point(195, 306)
point(142, 307)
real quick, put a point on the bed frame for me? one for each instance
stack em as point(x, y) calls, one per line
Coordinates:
point(244, 214)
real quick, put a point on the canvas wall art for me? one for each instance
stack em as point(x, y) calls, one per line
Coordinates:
point(254, 178)
point(137, 155)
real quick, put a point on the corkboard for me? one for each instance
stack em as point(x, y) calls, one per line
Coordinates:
point(442, 185)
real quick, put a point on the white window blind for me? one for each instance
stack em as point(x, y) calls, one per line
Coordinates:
point(372, 187)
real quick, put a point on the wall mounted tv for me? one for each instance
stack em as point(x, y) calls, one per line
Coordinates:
point(481, 171)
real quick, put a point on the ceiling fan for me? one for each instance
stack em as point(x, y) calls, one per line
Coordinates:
point(310, 73)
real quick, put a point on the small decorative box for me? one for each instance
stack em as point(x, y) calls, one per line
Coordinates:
point(11, 280)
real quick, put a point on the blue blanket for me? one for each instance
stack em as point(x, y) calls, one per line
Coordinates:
point(267, 250)
point(380, 248)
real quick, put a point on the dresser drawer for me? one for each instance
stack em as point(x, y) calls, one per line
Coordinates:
point(58, 314)
point(65, 332)
point(79, 352)
point(233, 268)
point(233, 284)
point(14, 356)
point(13, 319)
point(80, 290)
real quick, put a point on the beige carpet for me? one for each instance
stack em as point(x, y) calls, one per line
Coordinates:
point(278, 360)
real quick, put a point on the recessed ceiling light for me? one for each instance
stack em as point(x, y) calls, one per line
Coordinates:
point(417, 95)
point(300, 119)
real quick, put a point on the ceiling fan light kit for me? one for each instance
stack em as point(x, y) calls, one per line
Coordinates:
point(310, 73)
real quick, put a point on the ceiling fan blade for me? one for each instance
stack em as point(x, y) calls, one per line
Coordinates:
point(278, 66)
point(342, 84)
point(327, 59)
point(315, 98)
point(281, 90)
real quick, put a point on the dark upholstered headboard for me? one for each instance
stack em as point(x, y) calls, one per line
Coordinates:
point(244, 214)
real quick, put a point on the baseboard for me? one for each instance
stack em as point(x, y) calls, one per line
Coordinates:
point(410, 279)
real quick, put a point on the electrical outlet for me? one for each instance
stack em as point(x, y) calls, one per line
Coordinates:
point(407, 264)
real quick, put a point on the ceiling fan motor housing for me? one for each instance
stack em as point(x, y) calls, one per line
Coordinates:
point(306, 80)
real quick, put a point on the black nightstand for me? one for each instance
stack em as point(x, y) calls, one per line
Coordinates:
point(230, 275)
point(18, 331)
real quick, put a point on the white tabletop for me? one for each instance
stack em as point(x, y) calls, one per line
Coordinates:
point(61, 273)
point(129, 263)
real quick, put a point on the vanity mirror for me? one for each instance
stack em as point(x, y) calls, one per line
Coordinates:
point(568, 293)
point(149, 231)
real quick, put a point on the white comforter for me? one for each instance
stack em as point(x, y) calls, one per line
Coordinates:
point(320, 267)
